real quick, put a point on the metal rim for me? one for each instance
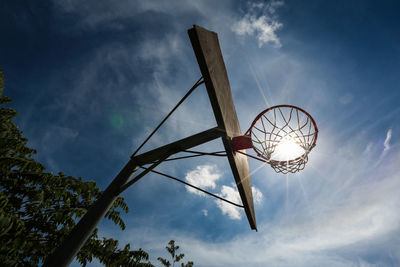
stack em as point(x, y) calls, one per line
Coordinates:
point(250, 131)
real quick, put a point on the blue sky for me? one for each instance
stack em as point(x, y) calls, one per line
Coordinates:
point(92, 79)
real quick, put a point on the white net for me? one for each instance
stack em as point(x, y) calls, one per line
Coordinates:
point(283, 136)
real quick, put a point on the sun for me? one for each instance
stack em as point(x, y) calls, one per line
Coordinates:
point(287, 149)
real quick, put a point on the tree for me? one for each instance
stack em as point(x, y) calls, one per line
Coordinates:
point(172, 249)
point(38, 209)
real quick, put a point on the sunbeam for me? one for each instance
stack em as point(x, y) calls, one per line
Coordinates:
point(305, 196)
point(287, 193)
point(260, 88)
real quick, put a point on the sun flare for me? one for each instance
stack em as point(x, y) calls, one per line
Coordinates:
point(287, 149)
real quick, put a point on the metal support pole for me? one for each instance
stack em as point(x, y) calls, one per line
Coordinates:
point(67, 251)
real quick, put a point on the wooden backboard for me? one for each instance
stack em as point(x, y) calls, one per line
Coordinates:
point(208, 53)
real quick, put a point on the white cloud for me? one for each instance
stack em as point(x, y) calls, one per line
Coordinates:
point(257, 195)
point(273, 5)
point(203, 176)
point(263, 26)
point(386, 147)
point(205, 212)
point(386, 144)
point(232, 194)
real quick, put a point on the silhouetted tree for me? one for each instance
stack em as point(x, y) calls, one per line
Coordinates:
point(173, 250)
point(38, 209)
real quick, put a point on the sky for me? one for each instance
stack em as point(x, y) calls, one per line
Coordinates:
point(92, 79)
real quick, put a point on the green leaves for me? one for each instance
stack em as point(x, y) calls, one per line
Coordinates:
point(108, 253)
point(164, 262)
point(172, 249)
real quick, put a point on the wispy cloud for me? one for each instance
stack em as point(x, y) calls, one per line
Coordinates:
point(346, 99)
point(386, 144)
point(52, 140)
point(263, 26)
point(386, 147)
point(100, 14)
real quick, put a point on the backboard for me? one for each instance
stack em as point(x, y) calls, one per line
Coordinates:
point(208, 53)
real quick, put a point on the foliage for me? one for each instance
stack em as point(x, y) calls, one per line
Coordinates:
point(172, 249)
point(38, 209)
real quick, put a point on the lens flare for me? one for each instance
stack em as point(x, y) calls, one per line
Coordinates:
point(287, 149)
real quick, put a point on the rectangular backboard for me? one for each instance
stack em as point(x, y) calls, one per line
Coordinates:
point(208, 53)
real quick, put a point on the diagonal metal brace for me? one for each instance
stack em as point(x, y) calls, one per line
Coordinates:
point(179, 146)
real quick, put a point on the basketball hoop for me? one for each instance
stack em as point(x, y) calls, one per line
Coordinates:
point(281, 136)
